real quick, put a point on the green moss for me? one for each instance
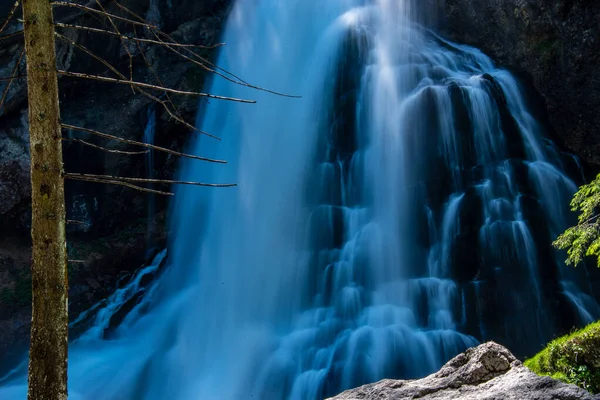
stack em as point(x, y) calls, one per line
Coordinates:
point(573, 358)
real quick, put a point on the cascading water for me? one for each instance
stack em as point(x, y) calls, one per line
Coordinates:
point(399, 212)
point(148, 137)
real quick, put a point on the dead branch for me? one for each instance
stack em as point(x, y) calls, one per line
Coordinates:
point(10, 35)
point(177, 116)
point(120, 183)
point(13, 74)
point(76, 261)
point(148, 180)
point(130, 153)
point(10, 15)
point(75, 222)
point(203, 63)
point(143, 92)
point(132, 38)
point(148, 86)
point(10, 78)
point(103, 13)
point(147, 145)
point(122, 44)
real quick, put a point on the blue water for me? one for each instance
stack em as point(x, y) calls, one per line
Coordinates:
point(399, 212)
point(148, 137)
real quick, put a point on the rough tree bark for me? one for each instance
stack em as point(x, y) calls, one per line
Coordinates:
point(49, 327)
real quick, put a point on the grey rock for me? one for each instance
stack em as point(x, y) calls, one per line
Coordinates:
point(486, 372)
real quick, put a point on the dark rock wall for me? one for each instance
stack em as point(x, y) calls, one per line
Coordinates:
point(556, 43)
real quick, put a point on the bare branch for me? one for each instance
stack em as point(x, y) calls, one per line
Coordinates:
point(103, 13)
point(143, 92)
point(10, 15)
point(120, 183)
point(148, 180)
point(75, 222)
point(130, 153)
point(122, 44)
point(148, 86)
point(237, 81)
point(13, 74)
point(177, 116)
point(132, 38)
point(203, 63)
point(10, 78)
point(10, 35)
point(76, 261)
point(147, 145)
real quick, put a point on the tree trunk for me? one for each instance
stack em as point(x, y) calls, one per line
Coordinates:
point(49, 324)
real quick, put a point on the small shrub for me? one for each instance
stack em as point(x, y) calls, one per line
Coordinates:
point(574, 358)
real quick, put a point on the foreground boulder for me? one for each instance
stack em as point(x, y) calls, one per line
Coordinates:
point(486, 372)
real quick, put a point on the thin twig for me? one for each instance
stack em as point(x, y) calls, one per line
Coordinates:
point(120, 183)
point(9, 35)
point(75, 222)
point(130, 153)
point(147, 145)
point(122, 44)
point(132, 38)
point(149, 180)
point(143, 92)
point(10, 15)
point(148, 86)
point(103, 13)
point(12, 77)
point(214, 71)
point(177, 116)
point(203, 63)
point(13, 73)
point(76, 261)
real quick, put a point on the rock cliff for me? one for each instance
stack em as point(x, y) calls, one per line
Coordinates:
point(555, 43)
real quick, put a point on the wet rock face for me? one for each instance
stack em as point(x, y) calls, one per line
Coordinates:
point(555, 43)
point(486, 372)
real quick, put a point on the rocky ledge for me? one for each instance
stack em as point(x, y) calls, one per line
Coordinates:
point(486, 372)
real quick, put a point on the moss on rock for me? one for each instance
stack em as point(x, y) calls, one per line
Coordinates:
point(573, 358)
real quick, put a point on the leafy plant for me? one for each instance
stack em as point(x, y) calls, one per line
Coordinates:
point(574, 358)
point(583, 239)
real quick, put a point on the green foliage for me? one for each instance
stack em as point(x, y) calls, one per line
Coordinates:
point(573, 358)
point(583, 239)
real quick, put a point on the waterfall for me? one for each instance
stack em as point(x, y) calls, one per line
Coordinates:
point(399, 212)
point(148, 138)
